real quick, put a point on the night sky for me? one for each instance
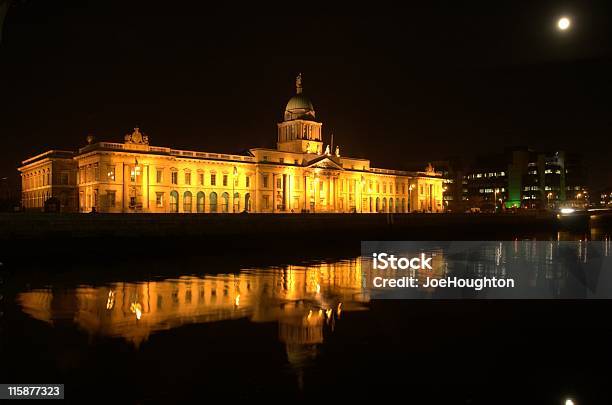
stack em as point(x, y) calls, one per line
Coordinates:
point(398, 86)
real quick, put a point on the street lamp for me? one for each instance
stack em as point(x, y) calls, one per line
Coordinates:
point(444, 188)
point(548, 197)
point(495, 190)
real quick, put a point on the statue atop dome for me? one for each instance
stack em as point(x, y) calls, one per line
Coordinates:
point(298, 84)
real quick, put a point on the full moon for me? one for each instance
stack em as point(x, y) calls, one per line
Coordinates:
point(563, 23)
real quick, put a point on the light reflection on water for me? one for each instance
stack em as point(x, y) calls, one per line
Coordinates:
point(308, 308)
point(305, 301)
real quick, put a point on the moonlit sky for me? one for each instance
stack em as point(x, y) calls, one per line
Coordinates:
point(397, 86)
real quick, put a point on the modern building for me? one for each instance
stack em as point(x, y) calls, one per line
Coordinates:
point(516, 178)
point(301, 174)
point(605, 198)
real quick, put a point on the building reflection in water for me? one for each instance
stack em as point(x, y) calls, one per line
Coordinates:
point(306, 301)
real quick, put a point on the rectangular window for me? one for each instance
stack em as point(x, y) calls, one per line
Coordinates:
point(159, 200)
point(265, 181)
point(279, 183)
point(134, 173)
point(64, 178)
point(110, 197)
point(96, 172)
point(174, 177)
point(159, 177)
point(110, 174)
point(225, 180)
point(247, 181)
point(281, 160)
point(213, 179)
point(266, 202)
point(265, 158)
point(201, 179)
point(188, 178)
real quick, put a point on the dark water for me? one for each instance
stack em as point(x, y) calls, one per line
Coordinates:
point(222, 329)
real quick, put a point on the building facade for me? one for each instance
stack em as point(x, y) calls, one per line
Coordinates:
point(300, 175)
point(516, 178)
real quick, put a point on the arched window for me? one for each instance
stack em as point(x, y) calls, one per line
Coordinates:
point(225, 202)
point(173, 201)
point(391, 205)
point(236, 202)
point(187, 201)
point(213, 202)
point(200, 202)
point(403, 205)
point(377, 204)
point(384, 205)
point(247, 202)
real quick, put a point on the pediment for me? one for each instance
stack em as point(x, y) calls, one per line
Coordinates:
point(324, 163)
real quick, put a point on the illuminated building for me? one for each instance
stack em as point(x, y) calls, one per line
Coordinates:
point(301, 175)
point(605, 198)
point(517, 178)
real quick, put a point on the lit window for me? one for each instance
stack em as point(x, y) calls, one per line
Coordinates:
point(111, 173)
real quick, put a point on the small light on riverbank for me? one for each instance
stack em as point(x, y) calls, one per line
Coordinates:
point(569, 402)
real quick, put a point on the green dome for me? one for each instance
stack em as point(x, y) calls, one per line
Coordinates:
point(299, 107)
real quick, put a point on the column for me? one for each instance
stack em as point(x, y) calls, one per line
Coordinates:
point(256, 194)
point(145, 186)
point(335, 194)
point(316, 194)
point(125, 189)
point(273, 192)
point(306, 194)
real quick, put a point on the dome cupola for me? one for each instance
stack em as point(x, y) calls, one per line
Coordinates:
point(299, 106)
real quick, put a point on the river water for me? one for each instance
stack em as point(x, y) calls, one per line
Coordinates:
point(300, 330)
